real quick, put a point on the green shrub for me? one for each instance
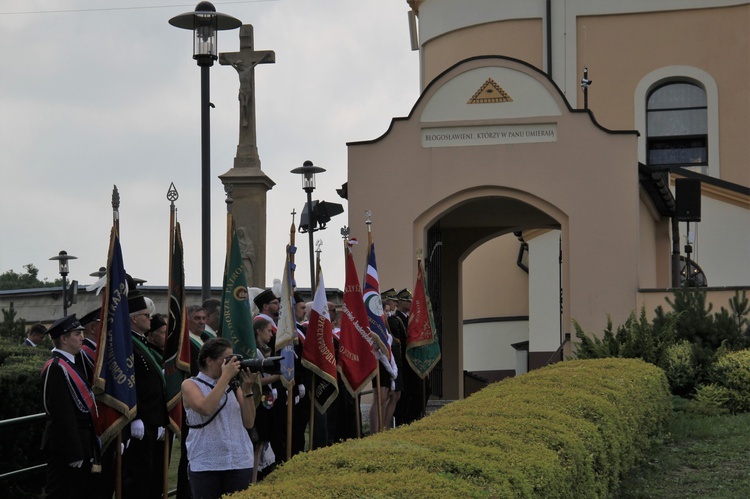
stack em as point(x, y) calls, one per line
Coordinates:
point(20, 368)
point(568, 430)
point(680, 368)
point(663, 341)
point(710, 400)
point(636, 339)
point(732, 372)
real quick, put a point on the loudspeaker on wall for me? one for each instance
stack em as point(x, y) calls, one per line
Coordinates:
point(687, 199)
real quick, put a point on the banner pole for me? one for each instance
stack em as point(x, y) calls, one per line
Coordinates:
point(118, 467)
point(312, 412)
point(165, 480)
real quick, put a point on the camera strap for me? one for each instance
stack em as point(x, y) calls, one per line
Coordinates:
point(213, 416)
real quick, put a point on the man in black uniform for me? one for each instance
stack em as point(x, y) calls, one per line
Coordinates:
point(101, 485)
point(301, 410)
point(143, 459)
point(69, 440)
point(90, 324)
point(398, 324)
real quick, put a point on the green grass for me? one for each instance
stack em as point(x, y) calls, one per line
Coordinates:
point(701, 456)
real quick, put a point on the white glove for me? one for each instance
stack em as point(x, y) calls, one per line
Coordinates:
point(301, 391)
point(160, 434)
point(393, 385)
point(76, 464)
point(296, 400)
point(275, 393)
point(136, 429)
point(124, 446)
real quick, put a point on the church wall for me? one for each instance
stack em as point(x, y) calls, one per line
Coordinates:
point(494, 286)
point(620, 43)
point(722, 242)
point(545, 333)
point(617, 60)
point(647, 258)
point(501, 37)
point(487, 346)
point(602, 216)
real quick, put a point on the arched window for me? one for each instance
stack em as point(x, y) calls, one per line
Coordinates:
point(677, 125)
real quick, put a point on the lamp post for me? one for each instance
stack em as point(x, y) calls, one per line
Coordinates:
point(62, 259)
point(308, 171)
point(205, 22)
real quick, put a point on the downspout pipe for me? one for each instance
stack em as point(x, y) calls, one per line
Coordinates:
point(549, 38)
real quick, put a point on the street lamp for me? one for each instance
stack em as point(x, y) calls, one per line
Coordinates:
point(308, 171)
point(205, 22)
point(62, 259)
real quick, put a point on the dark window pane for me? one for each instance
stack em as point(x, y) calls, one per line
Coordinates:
point(676, 96)
point(684, 122)
point(683, 151)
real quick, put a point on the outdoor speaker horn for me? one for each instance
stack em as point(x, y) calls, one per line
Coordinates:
point(687, 199)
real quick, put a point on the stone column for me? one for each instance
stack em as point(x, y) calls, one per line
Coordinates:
point(248, 183)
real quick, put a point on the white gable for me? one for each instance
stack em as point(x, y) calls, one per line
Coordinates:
point(529, 98)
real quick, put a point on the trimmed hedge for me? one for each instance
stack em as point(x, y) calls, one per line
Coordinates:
point(20, 368)
point(572, 429)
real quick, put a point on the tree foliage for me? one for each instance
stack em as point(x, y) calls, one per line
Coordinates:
point(12, 328)
point(27, 280)
point(690, 324)
point(636, 339)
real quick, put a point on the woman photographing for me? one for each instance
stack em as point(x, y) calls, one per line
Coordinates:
point(219, 449)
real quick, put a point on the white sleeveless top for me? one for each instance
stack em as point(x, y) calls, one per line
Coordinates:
point(223, 444)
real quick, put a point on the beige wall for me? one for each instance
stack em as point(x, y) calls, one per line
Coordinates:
point(620, 43)
point(493, 38)
point(619, 50)
point(592, 195)
point(584, 183)
point(490, 269)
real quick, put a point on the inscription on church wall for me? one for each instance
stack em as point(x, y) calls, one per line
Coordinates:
point(488, 135)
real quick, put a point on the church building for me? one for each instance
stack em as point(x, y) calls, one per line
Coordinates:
point(565, 160)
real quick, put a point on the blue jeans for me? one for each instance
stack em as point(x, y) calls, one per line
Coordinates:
point(214, 484)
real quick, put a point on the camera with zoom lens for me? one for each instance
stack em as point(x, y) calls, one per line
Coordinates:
point(269, 365)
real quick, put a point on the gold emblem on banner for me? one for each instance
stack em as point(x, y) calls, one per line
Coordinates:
point(240, 293)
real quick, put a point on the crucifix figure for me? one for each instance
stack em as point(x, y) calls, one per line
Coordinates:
point(244, 62)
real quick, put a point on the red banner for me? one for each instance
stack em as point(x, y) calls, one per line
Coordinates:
point(356, 359)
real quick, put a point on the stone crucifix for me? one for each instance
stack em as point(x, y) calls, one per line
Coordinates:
point(244, 62)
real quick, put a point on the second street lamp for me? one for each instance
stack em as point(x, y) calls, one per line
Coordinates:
point(205, 22)
point(308, 171)
point(62, 259)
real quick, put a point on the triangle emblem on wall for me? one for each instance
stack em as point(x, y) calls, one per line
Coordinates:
point(489, 92)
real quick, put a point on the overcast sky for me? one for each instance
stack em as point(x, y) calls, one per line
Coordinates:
point(93, 96)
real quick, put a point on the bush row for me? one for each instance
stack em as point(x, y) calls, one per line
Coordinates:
point(568, 430)
point(20, 368)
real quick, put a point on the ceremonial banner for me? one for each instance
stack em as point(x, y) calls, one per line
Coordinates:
point(287, 327)
point(318, 354)
point(177, 348)
point(236, 320)
point(376, 316)
point(422, 346)
point(356, 359)
point(114, 376)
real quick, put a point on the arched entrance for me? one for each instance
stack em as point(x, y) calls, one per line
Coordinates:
point(484, 300)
